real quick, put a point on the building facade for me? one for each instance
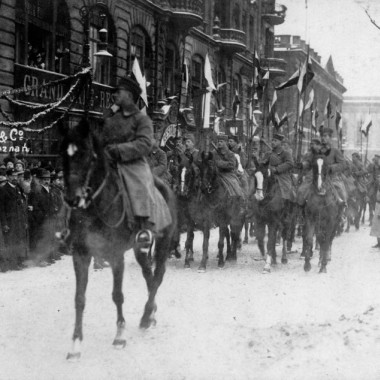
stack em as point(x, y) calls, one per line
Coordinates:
point(43, 41)
point(358, 112)
point(327, 85)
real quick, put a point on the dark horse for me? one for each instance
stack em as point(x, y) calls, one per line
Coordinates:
point(321, 216)
point(98, 223)
point(270, 209)
point(195, 210)
point(226, 210)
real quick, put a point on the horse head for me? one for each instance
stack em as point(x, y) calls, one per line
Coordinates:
point(81, 154)
point(319, 175)
point(264, 180)
point(188, 180)
point(209, 174)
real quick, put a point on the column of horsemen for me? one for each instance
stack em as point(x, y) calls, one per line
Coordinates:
point(241, 176)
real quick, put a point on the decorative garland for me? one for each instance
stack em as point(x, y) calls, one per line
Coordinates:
point(18, 124)
point(20, 90)
point(39, 107)
point(5, 114)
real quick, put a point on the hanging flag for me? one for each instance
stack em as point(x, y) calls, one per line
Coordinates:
point(140, 79)
point(328, 108)
point(301, 109)
point(185, 77)
point(217, 95)
point(306, 75)
point(284, 120)
point(236, 105)
point(208, 74)
point(338, 120)
point(293, 80)
point(314, 117)
point(274, 101)
point(272, 115)
point(256, 67)
point(266, 76)
point(366, 125)
point(310, 100)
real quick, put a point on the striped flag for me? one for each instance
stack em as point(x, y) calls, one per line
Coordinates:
point(306, 75)
point(366, 125)
point(293, 80)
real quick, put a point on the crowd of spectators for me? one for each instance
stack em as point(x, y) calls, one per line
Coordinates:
point(31, 211)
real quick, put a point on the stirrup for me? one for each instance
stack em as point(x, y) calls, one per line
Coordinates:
point(144, 237)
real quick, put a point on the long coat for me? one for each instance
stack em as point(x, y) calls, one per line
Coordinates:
point(132, 132)
point(13, 213)
point(226, 163)
point(282, 160)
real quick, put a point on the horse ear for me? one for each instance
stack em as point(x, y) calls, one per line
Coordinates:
point(83, 128)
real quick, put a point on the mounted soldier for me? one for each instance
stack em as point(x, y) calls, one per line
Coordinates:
point(226, 163)
point(359, 173)
point(158, 162)
point(128, 140)
point(280, 164)
point(188, 154)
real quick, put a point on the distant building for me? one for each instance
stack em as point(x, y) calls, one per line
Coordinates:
point(327, 83)
point(357, 111)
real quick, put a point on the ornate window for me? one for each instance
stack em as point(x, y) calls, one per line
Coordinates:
point(197, 76)
point(42, 34)
point(172, 70)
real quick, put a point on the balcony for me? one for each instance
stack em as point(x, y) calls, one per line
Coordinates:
point(274, 14)
point(231, 40)
point(277, 66)
point(186, 14)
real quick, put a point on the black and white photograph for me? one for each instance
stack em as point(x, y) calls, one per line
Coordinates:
point(189, 189)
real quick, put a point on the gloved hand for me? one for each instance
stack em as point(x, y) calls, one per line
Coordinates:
point(113, 151)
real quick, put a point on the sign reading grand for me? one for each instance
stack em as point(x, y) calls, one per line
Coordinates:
point(26, 77)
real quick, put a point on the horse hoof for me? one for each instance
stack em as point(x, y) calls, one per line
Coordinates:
point(119, 344)
point(245, 241)
point(73, 357)
point(221, 265)
point(202, 269)
point(145, 324)
point(187, 266)
point(307, 267)
point(284, 261)
point(266, 271)
point(323, 270)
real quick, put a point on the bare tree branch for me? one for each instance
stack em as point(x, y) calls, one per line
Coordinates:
point(370, 18)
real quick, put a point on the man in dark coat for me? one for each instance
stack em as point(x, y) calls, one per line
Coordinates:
point(158, 162)
point(226, 163)
point(187, 153)
point(359, 173)
point(13, 216)
point(280, 163)
point(128, 138)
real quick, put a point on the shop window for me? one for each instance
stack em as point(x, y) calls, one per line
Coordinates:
point(42, 34)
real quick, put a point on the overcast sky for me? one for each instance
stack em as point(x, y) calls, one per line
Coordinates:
point(342, 29)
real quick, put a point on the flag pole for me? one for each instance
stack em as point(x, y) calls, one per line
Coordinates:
point(180, 91)
point(296, 132)
point(361, 139)
point(366, 148)
point(304, 103)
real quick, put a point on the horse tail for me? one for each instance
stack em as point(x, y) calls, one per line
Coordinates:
point(169, 197)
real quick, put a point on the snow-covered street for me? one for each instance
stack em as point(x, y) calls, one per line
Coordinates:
point(234, 323)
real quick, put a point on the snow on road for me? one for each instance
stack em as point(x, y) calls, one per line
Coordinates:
point(234, 323)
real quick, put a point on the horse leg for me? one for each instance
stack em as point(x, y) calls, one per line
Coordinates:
point(308, 243)
point(189, 244)
point(271, 247)
point(284, 233)
point(206, 238)
point(228, 241)
point(153, 281)
point(222, 233)
point(81, 260)
point(260, 235)
point(118, 299)
point(252, 230)
point(246, 227)
point(323, 254)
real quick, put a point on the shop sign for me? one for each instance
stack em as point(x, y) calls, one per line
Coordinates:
point(26, 76)
point(13, 136)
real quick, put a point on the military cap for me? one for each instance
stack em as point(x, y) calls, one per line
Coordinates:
point(129, 84)
point(233, 137)
point(278, 136)
point(222, 136)
point(328, 131)
point(189, 136)
point(355, 154)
